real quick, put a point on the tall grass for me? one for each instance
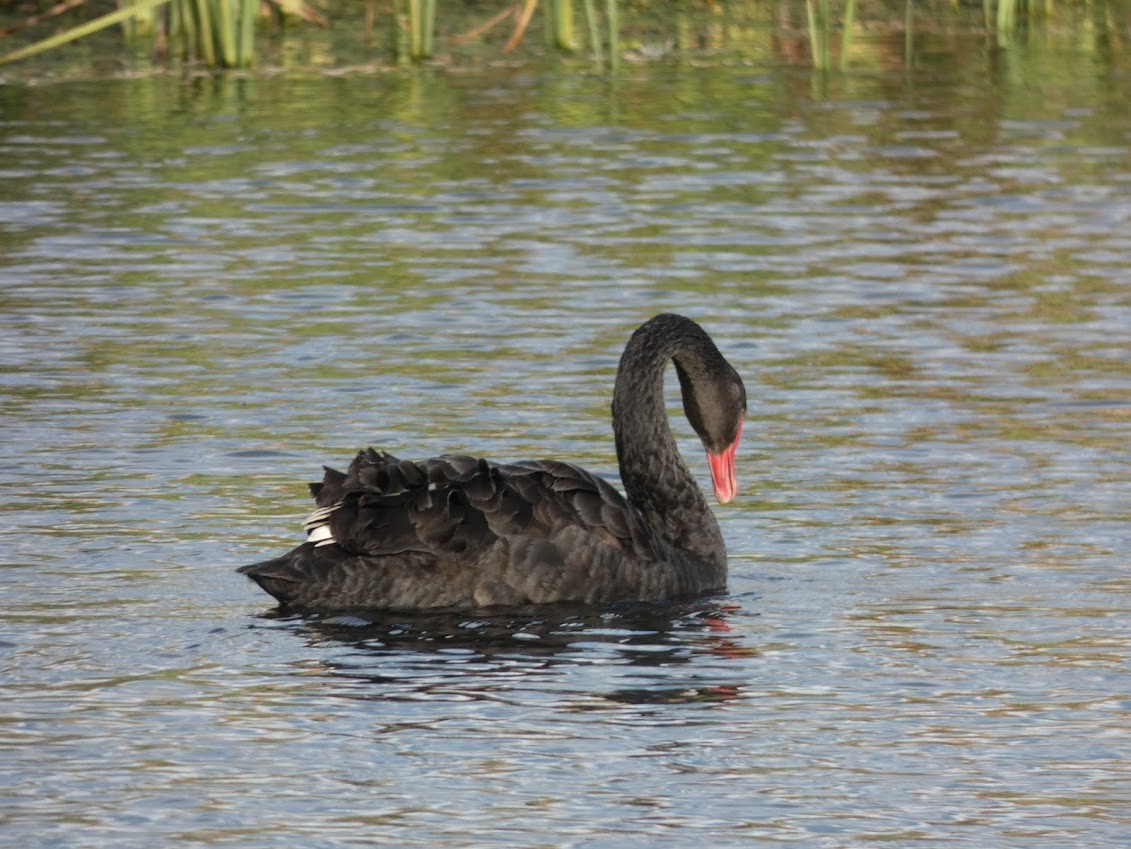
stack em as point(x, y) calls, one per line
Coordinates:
point(87, 28)
point(221, 33)
point(594, 30)
point(846, 34)
point(559, 25)
point(820, 31)
point(414, 28)
point(612, 21)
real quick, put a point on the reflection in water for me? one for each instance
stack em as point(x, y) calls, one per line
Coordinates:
point(925, 276)
point(477, 654)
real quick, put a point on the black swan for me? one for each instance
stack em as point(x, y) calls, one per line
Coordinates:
point(459, 531)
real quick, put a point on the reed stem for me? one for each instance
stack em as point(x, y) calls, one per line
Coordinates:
point(613, 23)
point(594, 33)
point(564, 38)
point(427, 28)
point(846, 35)
point(909, 35)
point(818, 14)
point(249, 9)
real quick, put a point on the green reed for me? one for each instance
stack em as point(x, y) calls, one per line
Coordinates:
point(559, 25)
point(612, 22)
point(218, 32)
point(819, 16)
point(846, 33)
point(414, 29)
point(594, 31)
point(221, 33)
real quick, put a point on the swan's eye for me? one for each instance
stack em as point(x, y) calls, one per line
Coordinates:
point(738, 393)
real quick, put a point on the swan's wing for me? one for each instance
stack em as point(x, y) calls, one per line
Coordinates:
point(455, 505)
point(562, 495)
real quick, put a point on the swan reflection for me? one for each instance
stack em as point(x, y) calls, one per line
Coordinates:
point(646, 653)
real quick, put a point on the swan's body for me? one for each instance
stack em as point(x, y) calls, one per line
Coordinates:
point(464, 532)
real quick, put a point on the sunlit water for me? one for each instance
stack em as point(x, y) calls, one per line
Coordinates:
point(210, 289)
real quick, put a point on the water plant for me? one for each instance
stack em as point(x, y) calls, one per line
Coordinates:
point(414, 23)
point(820, 26)
point(221, 33)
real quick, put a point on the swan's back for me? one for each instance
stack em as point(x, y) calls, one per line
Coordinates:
point(458, 531)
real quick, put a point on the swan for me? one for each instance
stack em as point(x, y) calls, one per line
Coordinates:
point(460, 532)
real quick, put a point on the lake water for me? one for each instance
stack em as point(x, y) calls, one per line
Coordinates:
point(210, 287)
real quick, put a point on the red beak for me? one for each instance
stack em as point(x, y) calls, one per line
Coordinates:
point(722, 470)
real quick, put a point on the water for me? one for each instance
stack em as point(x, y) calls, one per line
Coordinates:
point(210, 288)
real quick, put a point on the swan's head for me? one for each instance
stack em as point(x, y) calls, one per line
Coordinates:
point(714, 400)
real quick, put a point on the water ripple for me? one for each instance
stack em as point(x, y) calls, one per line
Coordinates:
point(923, 281)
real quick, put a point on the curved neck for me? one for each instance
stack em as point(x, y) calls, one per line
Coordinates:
point(655, 477)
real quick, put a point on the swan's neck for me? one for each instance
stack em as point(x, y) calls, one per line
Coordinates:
point(655, 477)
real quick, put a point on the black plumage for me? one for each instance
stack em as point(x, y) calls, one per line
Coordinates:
point(457, 531)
